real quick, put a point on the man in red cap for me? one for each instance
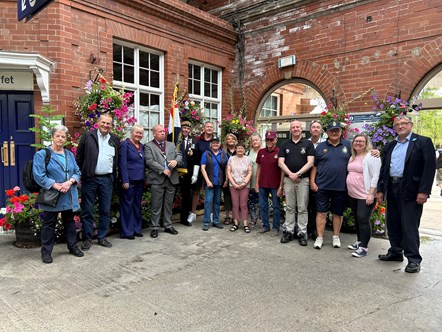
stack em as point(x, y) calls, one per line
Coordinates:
point(269, 181)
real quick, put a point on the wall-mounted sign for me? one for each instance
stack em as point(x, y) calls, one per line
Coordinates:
point(28, 8)
point(16, 80)
point(286, 61)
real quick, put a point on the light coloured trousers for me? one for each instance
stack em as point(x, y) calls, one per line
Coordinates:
point(296, 196)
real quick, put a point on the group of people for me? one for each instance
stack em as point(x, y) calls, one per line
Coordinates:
point(317, 176)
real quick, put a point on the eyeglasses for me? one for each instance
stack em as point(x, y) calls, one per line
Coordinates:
point(401, 124)
point(359, 141)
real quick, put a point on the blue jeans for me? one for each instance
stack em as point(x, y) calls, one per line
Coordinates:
point(212, 196)
point(264, 207)
point(100, 187)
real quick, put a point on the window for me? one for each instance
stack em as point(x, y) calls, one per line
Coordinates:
point(270, 108)
point(141, 71)
point(204, 86)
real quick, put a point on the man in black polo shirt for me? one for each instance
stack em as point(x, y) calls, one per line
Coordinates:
point(328, 180)
point(296, 157)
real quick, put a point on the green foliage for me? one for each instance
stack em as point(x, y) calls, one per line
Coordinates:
point(46, 122)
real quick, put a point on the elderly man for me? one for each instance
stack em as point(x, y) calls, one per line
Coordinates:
point(189, 191)
point(162, 159)
point(269, 181)
point(97, 158)
point(315, 138)
point(327, 180)
point(296, 158)
point(407, 172)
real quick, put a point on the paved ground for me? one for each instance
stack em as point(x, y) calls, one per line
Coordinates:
point(222, 281)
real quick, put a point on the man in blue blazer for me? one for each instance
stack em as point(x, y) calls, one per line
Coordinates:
point(162, 159)
point(406, 177)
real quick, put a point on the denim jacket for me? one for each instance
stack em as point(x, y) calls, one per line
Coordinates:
point(55, 173)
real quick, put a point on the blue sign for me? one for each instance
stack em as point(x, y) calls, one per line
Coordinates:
point(28, 8)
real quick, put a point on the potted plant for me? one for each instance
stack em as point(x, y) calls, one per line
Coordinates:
point(23, 215)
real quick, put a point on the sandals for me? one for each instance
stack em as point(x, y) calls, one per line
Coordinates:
point(227, 220)
point(246, 229)
point(235, 226)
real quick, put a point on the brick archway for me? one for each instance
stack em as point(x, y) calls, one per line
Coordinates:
point(310, 71)
point(415, 69)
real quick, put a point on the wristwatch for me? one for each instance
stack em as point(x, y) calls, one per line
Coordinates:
point(299, 174)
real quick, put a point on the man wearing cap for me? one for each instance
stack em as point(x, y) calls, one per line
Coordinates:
point(315, 138)
point(296, 158)
point(213, 167)
point(189, 191)
point(162, 159)
point(269, 180)
point(328, 181)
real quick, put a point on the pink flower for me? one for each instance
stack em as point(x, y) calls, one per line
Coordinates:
point(335, 116)
point(18, 207)
point(16, 188)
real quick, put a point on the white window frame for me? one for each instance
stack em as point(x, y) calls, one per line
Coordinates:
point(137, 88)
point(204, 99)
point(263, 126)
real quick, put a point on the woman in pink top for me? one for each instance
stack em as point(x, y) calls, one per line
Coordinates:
point(363, 174)
point(239, 173)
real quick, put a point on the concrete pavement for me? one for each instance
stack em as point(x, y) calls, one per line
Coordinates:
point(222, 281)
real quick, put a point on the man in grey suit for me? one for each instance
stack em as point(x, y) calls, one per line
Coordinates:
point(162, 159)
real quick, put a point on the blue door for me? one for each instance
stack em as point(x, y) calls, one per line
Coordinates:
point(15, 138)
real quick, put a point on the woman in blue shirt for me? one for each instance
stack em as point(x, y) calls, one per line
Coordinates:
point(60, 174)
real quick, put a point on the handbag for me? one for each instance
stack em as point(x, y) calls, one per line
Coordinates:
point(48, 197)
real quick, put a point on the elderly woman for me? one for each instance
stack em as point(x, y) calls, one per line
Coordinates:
point(60, 174)
point(255, 145)
point(131, 166)
point(363, 174)
point(239, 173)
point(231, 141)
point(213, 168)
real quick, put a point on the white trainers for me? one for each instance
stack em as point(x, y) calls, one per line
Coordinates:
point(318, 243)
point(336, 242)
point(191, 218)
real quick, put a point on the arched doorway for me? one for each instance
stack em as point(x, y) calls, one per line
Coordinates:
point(288, 100)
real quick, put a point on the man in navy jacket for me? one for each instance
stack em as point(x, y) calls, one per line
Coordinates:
point(406, 177)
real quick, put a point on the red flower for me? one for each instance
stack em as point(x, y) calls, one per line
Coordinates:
point(324, 113)
point(23, 198)
point(14, 199)
point(10, 192)
point(2, 221)
point(103, 80)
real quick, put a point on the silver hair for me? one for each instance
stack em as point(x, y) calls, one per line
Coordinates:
point(135, 127)
point(59, 128)
point(402, 117)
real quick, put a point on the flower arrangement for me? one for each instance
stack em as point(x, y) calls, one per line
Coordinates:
point(239, 126)
point(191, 111)
point(378, 219)
point(20, 208)
point(382, 131)
point(338, 114)
point(99, 98)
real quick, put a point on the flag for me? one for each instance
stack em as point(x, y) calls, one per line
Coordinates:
point(174, 119)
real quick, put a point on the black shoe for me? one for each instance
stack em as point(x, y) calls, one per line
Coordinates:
point(86, 245)
point(412, 267)
point(154, 233)
point(185, 223)
point(76, 252)
point(171, 230)
point(104, 243)
point(218, 226)
point(138, 234)
point(390, 257)
point(302, 241)
point(46, 258)
point(131, 237)
point(286, 237)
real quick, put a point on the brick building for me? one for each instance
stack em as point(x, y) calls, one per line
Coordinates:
point(223, 48)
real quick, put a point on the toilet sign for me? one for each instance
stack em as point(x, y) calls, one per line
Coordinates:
point(28, 8)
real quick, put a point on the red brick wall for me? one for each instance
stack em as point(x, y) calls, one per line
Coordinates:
point(68, 32)
point(339, 49)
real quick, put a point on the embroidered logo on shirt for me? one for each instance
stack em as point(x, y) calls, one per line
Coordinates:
point(275, 156)
point(287, 150)
point(303, 150)
point(344, 149)
point(325, 151)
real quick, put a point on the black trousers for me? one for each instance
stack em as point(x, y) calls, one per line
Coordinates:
point(186, 196)
point(48, 229)
point(403, 220)
point(362, 213)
